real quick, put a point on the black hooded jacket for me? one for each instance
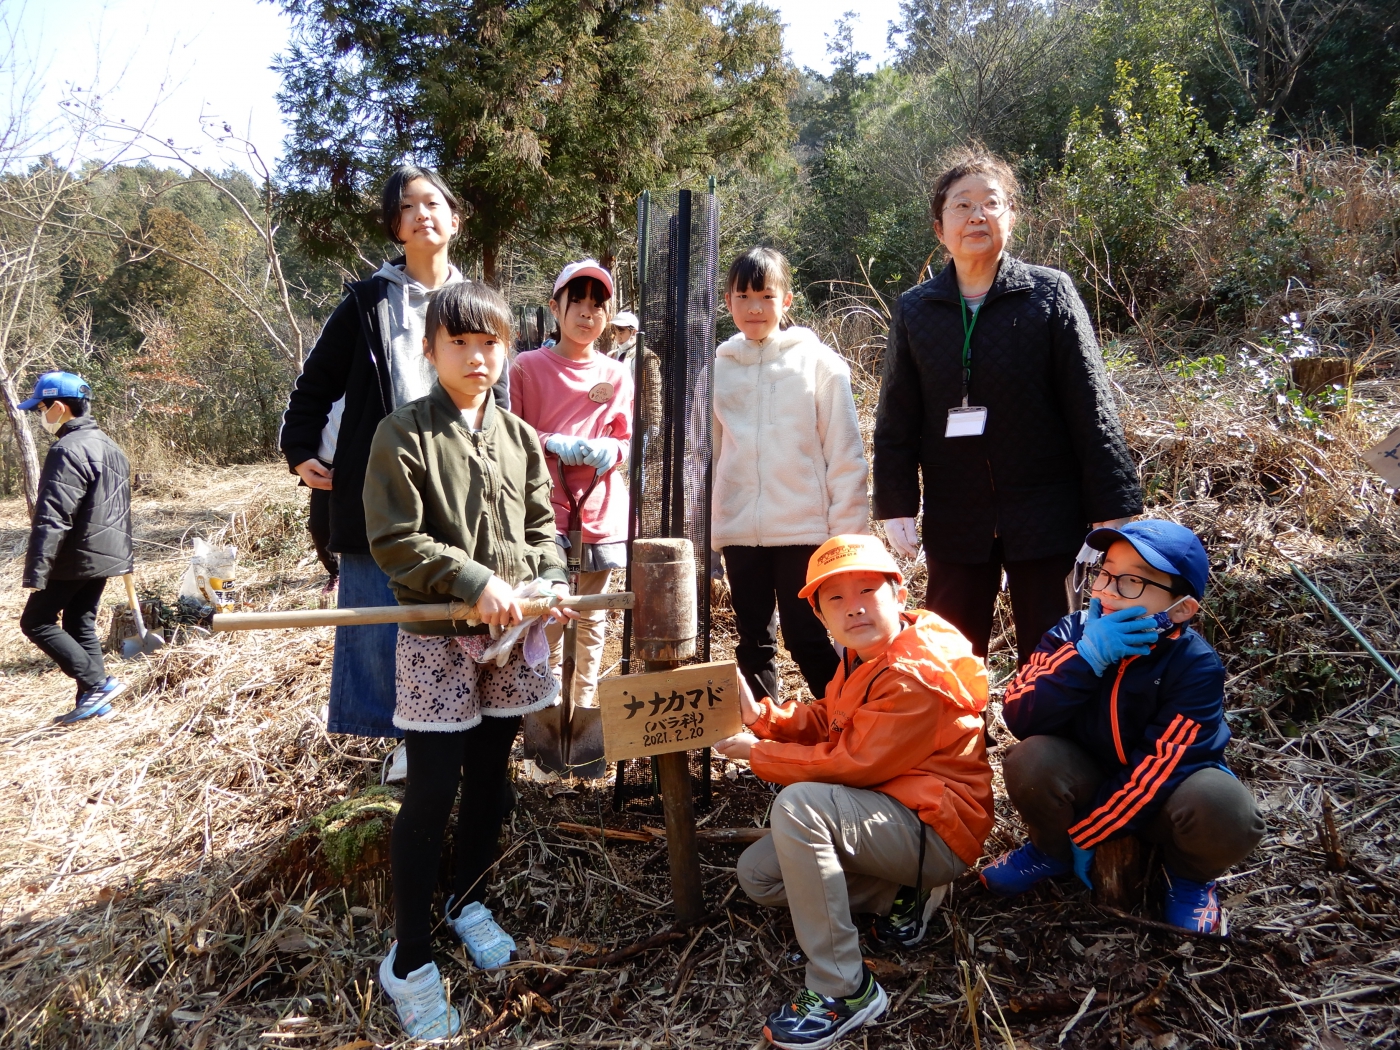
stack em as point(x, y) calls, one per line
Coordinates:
point(82, 517)
point(350, 360)
point(1053, 458)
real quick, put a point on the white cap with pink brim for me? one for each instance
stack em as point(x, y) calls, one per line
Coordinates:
point(584, 268)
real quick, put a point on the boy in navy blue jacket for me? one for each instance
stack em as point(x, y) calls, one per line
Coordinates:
point(1120, 714)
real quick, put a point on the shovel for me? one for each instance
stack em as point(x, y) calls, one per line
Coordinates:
point(565, 739)
point(143, 641)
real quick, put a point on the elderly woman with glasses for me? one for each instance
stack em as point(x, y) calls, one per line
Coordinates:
point(994, 390)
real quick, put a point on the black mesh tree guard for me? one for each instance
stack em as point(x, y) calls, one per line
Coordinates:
point(532, 325)
point(677, 258)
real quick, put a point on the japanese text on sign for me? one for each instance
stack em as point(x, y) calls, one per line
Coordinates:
point(652, 714)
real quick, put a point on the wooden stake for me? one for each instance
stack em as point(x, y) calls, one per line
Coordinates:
point(664, 627)
point(1118, 873)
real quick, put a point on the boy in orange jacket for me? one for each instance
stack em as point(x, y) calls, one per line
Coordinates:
point(889, 793)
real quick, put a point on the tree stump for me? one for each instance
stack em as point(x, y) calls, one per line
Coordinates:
point(1311, 375)
point(1119, 873)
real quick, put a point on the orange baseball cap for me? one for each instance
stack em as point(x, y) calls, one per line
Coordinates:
point(848, 554)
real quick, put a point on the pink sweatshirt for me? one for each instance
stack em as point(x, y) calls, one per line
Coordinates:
point(578, 399)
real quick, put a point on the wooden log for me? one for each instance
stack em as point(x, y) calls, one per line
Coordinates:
point(261, 621)
point(664, 629)
point(1118, 873)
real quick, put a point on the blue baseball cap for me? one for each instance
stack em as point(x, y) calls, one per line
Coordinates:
point(1165, 545)
point(56, 384)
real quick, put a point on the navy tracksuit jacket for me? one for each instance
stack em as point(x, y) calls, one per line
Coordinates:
point(1149, 721)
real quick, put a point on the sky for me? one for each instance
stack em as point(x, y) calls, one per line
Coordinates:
point(179, 59)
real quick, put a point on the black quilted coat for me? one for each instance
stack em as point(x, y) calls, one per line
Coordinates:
point(1053, 458)
point(82, 518)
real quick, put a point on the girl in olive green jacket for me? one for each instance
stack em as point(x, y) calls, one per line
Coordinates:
point(457, 506)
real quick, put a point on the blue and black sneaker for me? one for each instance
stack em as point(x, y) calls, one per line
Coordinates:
point(814, 1021)
point(1192, 905)
point(94, 703)
point(1019, 870)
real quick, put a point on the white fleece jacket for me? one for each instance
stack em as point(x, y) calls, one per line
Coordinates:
point(790, 465)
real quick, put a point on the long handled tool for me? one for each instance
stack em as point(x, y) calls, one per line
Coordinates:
point(568, 739)
point(265, 621)
point(143, 641)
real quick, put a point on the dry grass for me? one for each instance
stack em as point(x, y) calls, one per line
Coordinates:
point(148, 896)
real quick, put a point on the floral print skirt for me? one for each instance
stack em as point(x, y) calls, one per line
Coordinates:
point(442, 687)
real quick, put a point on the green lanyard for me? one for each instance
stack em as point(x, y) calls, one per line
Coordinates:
point(968, 326)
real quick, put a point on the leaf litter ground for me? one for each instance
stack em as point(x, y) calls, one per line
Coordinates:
point(170, 876)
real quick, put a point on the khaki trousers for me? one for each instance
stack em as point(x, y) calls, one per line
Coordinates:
point(592, 626)
point(836, 851)
point(1205, 827)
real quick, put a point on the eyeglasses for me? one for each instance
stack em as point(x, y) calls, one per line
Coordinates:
point(1127, 585)
point(962, 209)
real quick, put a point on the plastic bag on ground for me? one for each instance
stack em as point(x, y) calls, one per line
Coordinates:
point(210, 576)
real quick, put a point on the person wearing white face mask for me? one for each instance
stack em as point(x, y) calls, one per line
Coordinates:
point(81, 535)
point(995, 402)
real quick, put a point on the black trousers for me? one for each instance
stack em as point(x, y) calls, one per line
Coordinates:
point(763, 586)
point(318, 523)
point(966, 595)
point(439, 764)
point(74, 646)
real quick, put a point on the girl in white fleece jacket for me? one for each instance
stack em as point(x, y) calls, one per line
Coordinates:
point(789, 470)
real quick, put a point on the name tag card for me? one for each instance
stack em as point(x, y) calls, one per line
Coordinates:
point(681, 710)
point(969, 421)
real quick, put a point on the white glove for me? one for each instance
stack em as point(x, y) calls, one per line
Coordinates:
point(903, 536)
point(601, 453)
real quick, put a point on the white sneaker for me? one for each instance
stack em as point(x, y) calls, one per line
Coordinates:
point(395, 766)
point(489, 945)
point(420, 999)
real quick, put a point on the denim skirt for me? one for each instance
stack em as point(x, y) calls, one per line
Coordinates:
point(362, 674)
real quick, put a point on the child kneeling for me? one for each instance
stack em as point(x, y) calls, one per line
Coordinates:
point(889, 794)
point(457, 507)
point(1120, 713)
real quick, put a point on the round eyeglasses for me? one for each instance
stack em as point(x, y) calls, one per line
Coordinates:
point(1127, 585)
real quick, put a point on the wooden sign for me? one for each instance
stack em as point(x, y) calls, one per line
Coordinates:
point(655, 714)
point(1384, 459)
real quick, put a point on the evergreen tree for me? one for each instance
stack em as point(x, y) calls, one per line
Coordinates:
point(547, 117)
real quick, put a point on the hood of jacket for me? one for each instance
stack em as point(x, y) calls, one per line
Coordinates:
point(745, 351)
point(934, 652)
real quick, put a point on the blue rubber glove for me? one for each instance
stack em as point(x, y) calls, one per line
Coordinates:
point(570, 450)
point(602, 452)
point(1083, 858)
point(1107, 639)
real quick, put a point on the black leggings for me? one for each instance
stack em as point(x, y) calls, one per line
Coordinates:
point(763, 586)
point(438, 763)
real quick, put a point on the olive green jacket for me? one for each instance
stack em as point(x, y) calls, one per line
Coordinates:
point(445, 507)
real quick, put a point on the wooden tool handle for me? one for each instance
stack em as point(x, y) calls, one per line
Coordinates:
point(134, 604)
point(262, 621)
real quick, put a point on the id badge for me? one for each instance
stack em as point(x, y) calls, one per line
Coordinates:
point(968, 421)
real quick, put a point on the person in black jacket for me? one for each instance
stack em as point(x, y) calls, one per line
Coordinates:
point(81, 535)
point(370, 353)
point(1121, 717)
point(994, 389)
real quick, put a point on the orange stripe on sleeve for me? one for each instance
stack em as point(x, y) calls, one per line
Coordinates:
point(1144, 784)
point(1039, 664)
